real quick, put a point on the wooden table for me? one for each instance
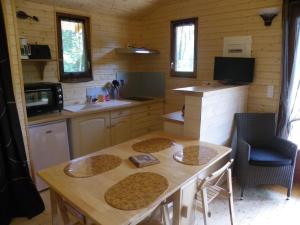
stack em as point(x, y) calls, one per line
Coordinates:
point(87, 194)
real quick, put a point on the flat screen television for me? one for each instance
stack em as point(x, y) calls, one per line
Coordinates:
point(232, 70)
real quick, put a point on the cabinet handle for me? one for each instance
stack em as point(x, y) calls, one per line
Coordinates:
point(48, 132)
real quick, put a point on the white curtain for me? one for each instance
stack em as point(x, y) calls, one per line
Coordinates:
point(294, 105)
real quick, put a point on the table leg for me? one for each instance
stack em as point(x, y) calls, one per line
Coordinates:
point(54, 208)
point(176, 207)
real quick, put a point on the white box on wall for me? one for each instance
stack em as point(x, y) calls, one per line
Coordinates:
point(237, 46)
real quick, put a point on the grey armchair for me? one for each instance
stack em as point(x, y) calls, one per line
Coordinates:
point(261, 157)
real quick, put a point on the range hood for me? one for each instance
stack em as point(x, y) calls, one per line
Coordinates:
point(139, 51)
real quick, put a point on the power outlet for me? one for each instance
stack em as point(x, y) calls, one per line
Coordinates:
point(270, 91)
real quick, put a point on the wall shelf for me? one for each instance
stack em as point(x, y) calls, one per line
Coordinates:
point(41, 63)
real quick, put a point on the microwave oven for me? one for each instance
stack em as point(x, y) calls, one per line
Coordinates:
point(43, 98)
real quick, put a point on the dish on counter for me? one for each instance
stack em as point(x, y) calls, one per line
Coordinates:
point(91, 166)
point(195, 155)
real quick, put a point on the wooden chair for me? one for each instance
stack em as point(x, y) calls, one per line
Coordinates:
point(160, 216)
point(210, 188)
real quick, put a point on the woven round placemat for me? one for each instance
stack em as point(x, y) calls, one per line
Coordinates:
point(195, 155)
point(136, 191)
point(92, 166)
point(152, 145)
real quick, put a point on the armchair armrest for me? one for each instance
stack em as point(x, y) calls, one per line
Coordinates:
point(285, 147)
point(243, 151)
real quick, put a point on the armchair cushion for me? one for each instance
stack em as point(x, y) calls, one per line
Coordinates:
point(268, 157)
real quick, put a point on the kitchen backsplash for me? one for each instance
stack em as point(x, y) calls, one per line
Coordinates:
point(148, 84)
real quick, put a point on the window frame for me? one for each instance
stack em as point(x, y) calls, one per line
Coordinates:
point(74, 77)
point(175, 24)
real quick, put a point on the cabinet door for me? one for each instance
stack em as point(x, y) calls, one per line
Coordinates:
point(89, 134)
point(120, 130)
point(49, 146)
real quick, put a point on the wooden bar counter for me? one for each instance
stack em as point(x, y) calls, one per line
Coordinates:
point(88, 194)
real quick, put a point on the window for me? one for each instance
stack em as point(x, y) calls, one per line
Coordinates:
point(184, 38)
point(74, 48)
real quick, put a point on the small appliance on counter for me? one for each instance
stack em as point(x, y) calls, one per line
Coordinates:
point(34, 51)
point(43, 98)
point(40, 52)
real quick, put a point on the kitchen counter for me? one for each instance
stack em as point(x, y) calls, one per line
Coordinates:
point(206, 90)
point(87, 194)
point(55, 116)
point(210, 110)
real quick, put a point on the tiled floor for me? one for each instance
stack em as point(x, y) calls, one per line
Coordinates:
point(261, 206)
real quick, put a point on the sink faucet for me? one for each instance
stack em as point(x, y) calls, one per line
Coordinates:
point(89, 99)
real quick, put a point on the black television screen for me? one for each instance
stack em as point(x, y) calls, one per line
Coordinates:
point(234, 70)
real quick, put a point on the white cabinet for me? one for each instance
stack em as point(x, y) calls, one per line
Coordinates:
point(89, 133)
point(48, 146)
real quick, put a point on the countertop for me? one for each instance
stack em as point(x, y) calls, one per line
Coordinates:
point(87, 194)
point(64, 114)
point(205, 90)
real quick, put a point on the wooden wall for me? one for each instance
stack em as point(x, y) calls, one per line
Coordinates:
point(218, 19)
point(12, 33)
point(107, 33)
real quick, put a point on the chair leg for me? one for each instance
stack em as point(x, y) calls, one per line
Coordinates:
point(242, 193)
point(204, 205)
point(231, 208)
point(289, 193)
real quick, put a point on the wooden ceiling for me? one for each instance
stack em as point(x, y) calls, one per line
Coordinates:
point(126, 8)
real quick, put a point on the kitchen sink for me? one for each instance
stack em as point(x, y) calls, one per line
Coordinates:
point(95, 106)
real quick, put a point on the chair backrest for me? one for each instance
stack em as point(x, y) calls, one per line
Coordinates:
point(256, 128)
point(216, 176)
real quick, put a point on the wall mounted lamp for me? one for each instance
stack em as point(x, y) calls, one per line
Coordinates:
point(268, 14)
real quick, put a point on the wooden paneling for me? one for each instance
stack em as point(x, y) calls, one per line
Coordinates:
point(127, 8)
point(13, 43)
point(107, 33)
point(218, 19)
